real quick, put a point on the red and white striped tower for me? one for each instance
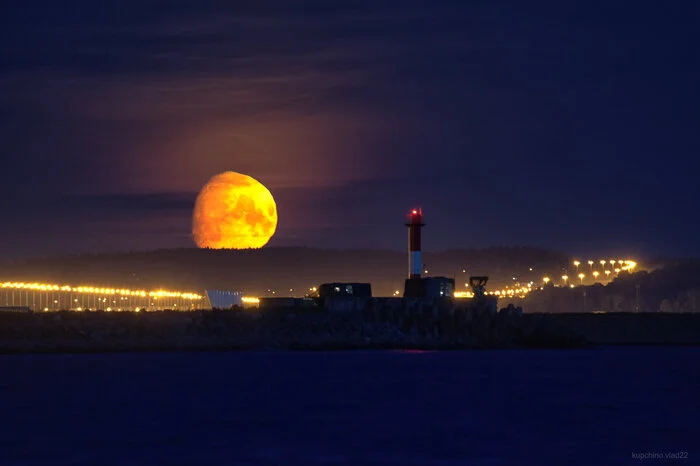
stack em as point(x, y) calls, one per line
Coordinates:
point(414, 224)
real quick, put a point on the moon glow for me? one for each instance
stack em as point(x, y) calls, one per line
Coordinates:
point(233, 211)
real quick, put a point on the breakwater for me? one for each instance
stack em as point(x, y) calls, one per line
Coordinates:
point(409, 325)
point(631, 328)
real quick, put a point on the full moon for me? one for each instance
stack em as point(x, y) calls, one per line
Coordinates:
point(234, 211)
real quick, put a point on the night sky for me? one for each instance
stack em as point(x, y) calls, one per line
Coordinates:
point(568, 125)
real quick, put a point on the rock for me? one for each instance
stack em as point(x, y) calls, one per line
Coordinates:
point(469, 315)
point(414, 324)
point(98, 335)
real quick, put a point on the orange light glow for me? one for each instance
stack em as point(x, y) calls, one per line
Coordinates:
point(234, 211)
point(97, 291)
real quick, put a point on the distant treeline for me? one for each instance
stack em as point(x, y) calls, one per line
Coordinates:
point(672, 288)
point(255, 271)
point(677, 283)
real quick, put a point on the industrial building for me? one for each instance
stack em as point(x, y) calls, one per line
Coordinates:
point(429, 287)
point(344, 296)
point(344, 290)
point(224, 299)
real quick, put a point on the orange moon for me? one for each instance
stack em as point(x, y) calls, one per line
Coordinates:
point(234, 211)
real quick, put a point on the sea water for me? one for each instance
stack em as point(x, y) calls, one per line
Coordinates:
point(601, 406)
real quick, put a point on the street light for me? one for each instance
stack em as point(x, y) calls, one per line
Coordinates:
point(565, 278)
point(590, 264)
point(607, 274)
point(602, 263)
point(612, 262)
point(545, 280)
point(576, 264)
point(581, 277)
point(595, 275)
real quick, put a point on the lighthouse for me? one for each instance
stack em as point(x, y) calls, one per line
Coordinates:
point(416, 286)
point(414, 224)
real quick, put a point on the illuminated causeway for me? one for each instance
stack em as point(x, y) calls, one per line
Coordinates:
point(52, 297)
point(603, 274)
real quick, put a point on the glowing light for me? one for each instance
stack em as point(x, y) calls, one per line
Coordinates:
point(545, 280)
point(250, 300)
point(234, 211)
point(96, 291)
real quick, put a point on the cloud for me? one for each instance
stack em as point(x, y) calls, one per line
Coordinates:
point(346, 110)
point(152, 103)
point(141, 203)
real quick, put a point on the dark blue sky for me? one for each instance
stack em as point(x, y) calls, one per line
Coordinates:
point(568, 125)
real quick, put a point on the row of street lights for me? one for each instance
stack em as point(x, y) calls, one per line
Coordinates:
point(623, 265)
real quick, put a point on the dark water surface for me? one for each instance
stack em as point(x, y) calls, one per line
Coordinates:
point(351, 408)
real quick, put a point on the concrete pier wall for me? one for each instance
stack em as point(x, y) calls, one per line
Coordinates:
point(408, 324)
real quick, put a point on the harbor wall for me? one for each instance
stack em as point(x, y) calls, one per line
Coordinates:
point(397, 324)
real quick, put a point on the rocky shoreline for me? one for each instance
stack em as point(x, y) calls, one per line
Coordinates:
point(407, 325)
point(412, 326)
